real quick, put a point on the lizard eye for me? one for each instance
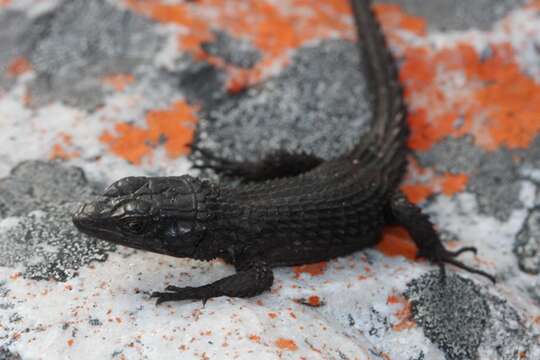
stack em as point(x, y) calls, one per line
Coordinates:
point(134, 226)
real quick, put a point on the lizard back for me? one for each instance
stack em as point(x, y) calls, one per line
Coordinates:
point(342, 200)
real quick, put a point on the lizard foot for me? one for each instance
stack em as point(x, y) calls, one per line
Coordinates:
point(405, 213)
point(253, 279)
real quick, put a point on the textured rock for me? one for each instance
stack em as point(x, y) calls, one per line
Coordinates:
point(233, 51)
point(73, 46)
point(460, 14)
point(453, 314)
point(303, 108)
point(37, 234)
point(465, 321)
point(528, 244)
point(495, 182)
point(36, 184)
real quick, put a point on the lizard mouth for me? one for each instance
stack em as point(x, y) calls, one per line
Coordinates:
point(87, 220)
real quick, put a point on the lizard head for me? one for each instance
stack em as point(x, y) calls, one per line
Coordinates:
point(159, 214)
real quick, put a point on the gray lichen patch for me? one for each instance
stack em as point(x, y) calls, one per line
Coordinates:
point(493, 175)
point(466, 321)
point(317, 104)
point(453, 314)
point(533, 290)
point(460, 14)
point(529, 167)
point(36, 184)
point(5, 354)
point(74, 46)
point(36, 232)
point(48, 245)
point(453, 155)
point(5, 321)
point(506, 335)
point(201, 82)
point(527, 245)
point(236, 52)
point(496, 184)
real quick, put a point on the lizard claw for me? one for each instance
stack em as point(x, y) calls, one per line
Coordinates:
point(161, 297)
point(441, 256)
point(471, 249)
point(175, 293)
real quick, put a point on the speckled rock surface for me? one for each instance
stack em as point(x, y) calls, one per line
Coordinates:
point(94, 91)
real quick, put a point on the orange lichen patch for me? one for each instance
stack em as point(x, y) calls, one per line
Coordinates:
point(421, 183)
point(272, 315)
point(512, 99)
point(394, 299)
point(70, 342)
point(392, 16)
point(118, 81)
point(314, 300)
point(5, 2)
point(453, 183)
point(454, 91)
point(417, 193)
point(286, 344)
point(312, 269)
point(404, 314)
point(66, 138)
point(129, 143)
point(177, 124)
point(174, 127)
point(15, 275)
point(396, 241)
point(59, 153)
point(447, 183)
point(254, 338)
point(272, 29)
point(18, 66)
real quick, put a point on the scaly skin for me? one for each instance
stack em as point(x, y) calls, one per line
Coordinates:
point(290, 209)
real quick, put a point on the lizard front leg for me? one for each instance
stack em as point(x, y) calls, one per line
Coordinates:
point(404, 213)
point(250, 280)
point(278, 164)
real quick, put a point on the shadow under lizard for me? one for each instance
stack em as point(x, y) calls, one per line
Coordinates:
point(290, 208)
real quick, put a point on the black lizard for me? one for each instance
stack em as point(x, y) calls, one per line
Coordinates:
point(290, 209)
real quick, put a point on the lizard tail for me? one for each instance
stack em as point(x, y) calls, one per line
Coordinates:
point(386, 143)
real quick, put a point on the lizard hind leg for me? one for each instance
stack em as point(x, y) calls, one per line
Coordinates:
point(278, 164)
point(404, 213)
